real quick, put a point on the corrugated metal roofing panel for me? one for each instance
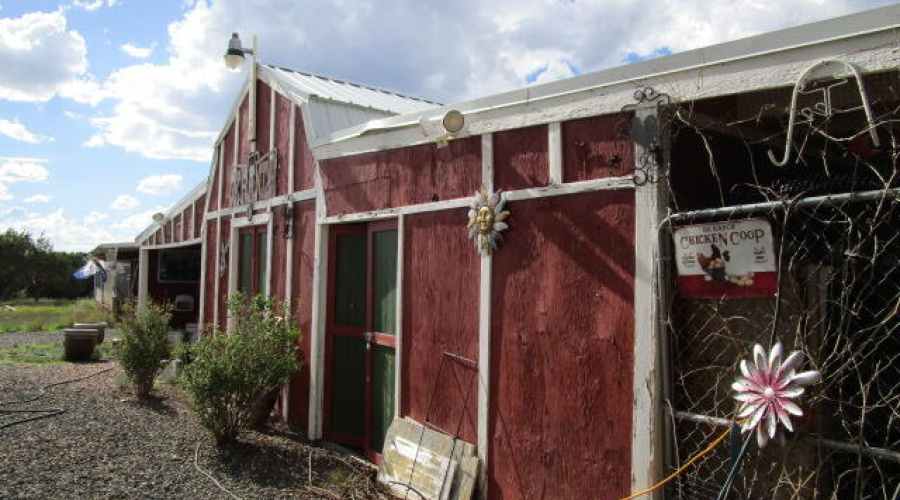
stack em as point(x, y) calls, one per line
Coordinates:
point(349, 93)
point(327, 117)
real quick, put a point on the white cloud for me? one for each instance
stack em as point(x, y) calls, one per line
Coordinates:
point(135, 223)
point(95, 5)
point(41, 58)
point(17, 131)
point(94, 217)
point(4, 193)
point(138, 52)
point(124, 202)
point(159, 184)
point(64, 233)
point(461, 49)
point(23, 170)
point(38, 198)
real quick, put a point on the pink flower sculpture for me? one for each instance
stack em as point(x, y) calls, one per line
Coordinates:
point(767, 389)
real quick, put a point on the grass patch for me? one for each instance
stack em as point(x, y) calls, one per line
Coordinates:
point(50, 353)
point(48, 315)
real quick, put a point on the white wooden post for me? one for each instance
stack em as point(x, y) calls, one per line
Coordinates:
point(484, 326)
point(647, 422)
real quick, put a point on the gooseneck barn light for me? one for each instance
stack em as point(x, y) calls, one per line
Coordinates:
point(453, 121)
point(234, 58)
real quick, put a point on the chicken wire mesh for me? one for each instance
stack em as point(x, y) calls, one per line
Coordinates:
point(835, 216)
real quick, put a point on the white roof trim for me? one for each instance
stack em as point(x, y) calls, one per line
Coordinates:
point(185, 201)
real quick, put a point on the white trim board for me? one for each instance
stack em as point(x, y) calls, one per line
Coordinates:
point(177, 244)
point(305, 195)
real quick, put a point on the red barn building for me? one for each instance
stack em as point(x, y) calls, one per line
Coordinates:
point(551, 353)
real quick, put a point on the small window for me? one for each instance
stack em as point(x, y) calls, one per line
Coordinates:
point(184, 303)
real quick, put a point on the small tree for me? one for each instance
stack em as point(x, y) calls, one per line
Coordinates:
point(144, 344)
point(232, 373)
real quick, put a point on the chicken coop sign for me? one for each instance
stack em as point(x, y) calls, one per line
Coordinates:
point(726, 259)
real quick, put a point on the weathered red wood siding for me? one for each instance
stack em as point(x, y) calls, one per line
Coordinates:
point(592, 145)
point(198, 215)
point(263, 113)
point(282, 109)
point(243, 135)
point(212, 189)
point(520, 158)
point(440, 313)
point(304, 163)
point(227, 163)
point(188, 220)
point(562, 323)
point(212, 272)
point(223, 279)
point(301, 294)
point(179, 220)
point(279, 255)
point(407, 176)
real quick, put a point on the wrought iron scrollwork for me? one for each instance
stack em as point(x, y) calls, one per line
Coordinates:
point(645, 132)
point(287, 211)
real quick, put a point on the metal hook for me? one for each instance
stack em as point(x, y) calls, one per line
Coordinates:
point(827, 108)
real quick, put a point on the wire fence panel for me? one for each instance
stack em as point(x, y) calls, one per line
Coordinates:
point(837, 247)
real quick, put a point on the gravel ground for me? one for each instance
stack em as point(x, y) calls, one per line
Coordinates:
point(107, 445)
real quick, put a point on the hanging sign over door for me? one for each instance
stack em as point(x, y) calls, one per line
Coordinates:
point(726, 259)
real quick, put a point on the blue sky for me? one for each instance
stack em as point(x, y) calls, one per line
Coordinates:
point(108, 108)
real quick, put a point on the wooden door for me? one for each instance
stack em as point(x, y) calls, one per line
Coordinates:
point(252, 253)
point(361, 329)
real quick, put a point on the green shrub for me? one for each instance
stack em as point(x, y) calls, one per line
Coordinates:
point(144, 343)
point(231, 374)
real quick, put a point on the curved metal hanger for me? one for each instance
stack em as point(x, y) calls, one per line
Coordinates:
point(799, 86)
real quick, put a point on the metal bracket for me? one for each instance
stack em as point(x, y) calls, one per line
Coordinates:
point(644, 131)
point(287, 212)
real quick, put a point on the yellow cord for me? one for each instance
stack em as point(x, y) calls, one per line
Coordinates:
point(681, 469)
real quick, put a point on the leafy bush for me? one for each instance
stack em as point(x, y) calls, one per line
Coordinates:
point(144, 343)
point(231, 374)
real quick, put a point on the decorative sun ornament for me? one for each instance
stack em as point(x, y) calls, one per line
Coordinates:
point(486, 216)
point(767, 391)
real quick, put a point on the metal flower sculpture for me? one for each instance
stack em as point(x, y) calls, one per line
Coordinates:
point(486, 216)
point(767, 391)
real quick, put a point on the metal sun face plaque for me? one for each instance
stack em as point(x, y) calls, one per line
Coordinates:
point(486, 220)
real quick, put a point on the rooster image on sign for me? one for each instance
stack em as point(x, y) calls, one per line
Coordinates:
point(726, 259)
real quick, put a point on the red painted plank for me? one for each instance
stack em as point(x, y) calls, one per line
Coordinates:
point(263, 113)
point(244, 135)
point(211, 249)
point(591, 147)
point(304, 263)
point(440, 313)
point(399, 177)
point(282, 110)
point(223, 279)
point(303, 157)
point(520, 158)
point(227, 163)
point(562, 323)
point(198, 215)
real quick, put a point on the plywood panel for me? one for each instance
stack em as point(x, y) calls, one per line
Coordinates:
point(596, 147)
point(282, 132)
point(304, 255)
point(520, 158)
point(440, 314)
point(562, 323)
point(399, 177)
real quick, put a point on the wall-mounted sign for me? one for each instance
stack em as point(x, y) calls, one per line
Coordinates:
point(726, 259)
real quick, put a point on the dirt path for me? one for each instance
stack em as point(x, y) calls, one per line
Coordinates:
point(106, 445)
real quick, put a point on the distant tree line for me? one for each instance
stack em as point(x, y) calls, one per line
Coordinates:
point(30, 267)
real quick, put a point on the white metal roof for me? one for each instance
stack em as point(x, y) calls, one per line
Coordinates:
point(306, 85)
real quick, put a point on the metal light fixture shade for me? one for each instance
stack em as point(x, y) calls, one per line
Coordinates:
point(158, 217)
point(234, 56)
point(454, 121)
